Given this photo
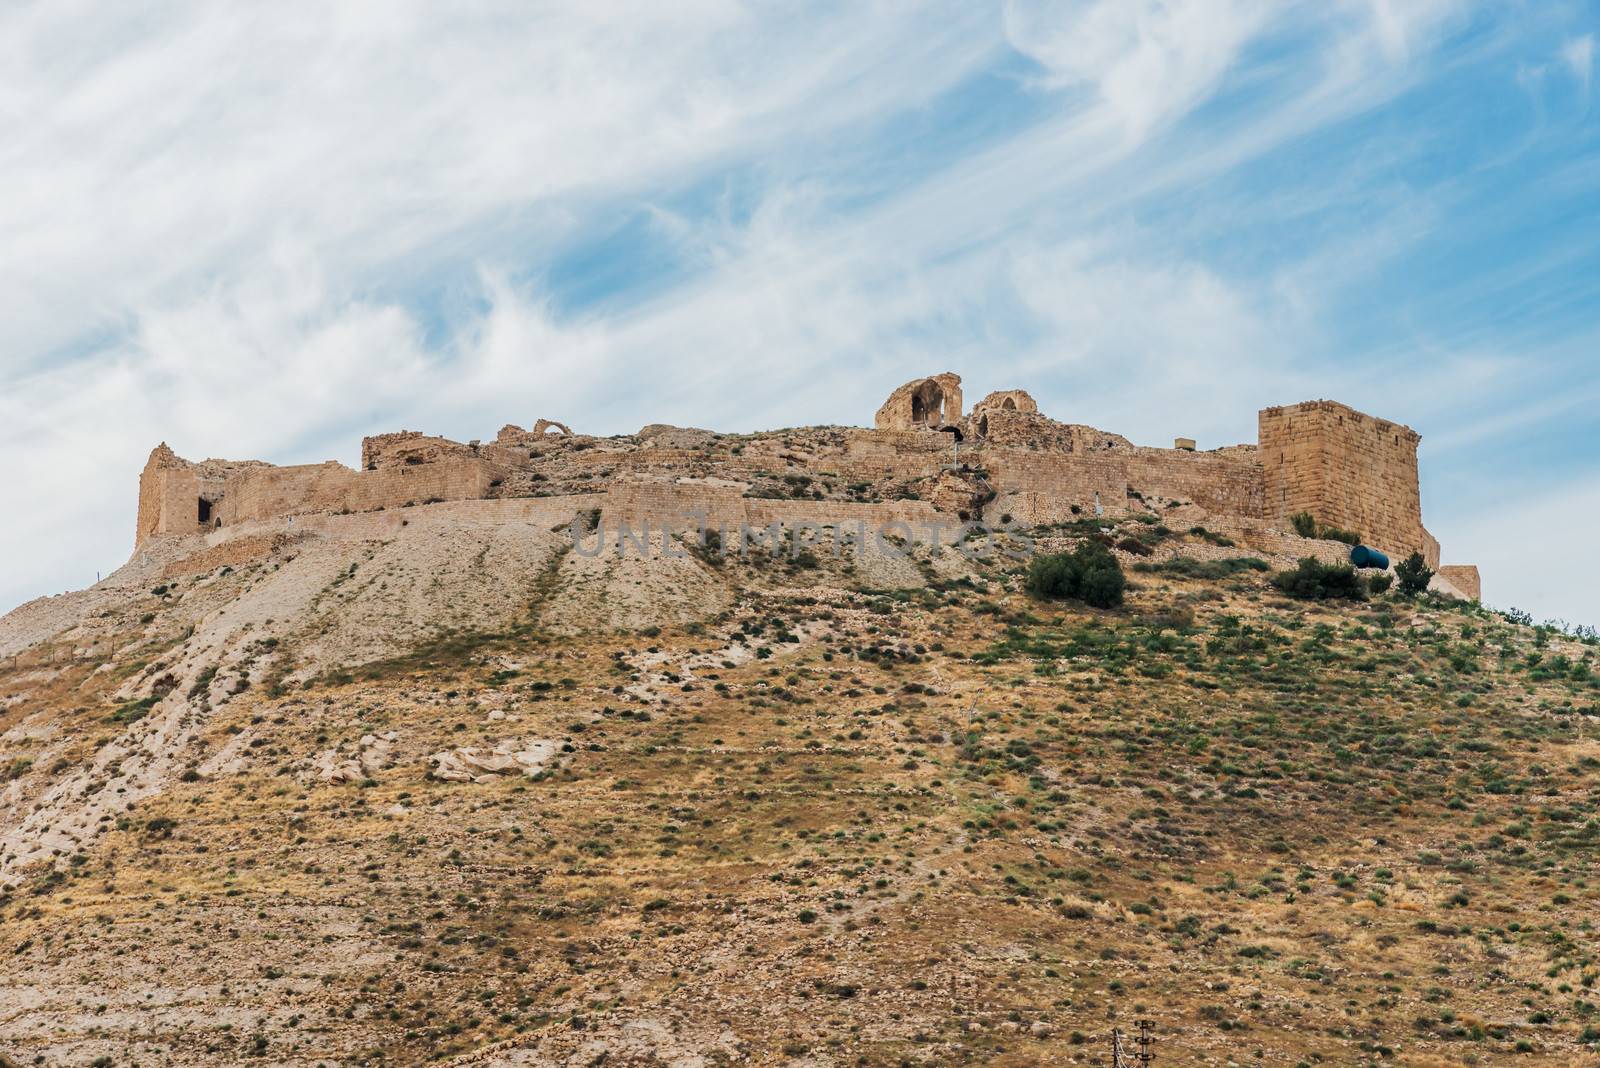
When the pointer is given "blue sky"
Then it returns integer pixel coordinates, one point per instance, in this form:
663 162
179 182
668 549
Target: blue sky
263 234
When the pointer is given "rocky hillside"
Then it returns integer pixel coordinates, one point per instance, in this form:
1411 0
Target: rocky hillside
453 793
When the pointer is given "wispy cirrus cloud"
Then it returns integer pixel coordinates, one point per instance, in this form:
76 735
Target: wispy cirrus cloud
259 236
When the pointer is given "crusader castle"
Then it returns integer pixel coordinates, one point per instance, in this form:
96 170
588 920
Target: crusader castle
926 459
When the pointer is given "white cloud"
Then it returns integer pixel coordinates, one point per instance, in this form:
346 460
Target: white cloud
1578 54
237 225
144 149
1148 60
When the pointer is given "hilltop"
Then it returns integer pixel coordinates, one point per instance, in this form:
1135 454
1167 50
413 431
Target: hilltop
690 748
433 785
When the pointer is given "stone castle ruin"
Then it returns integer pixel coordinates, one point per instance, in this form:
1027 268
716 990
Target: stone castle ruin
924 461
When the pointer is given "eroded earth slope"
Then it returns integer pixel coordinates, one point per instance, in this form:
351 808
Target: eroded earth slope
449 792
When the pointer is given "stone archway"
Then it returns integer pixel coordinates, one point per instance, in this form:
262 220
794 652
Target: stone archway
922 403
927 403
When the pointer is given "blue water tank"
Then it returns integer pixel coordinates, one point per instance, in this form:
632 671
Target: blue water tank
1364 556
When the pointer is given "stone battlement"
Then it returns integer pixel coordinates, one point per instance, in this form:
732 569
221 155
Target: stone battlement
1004 461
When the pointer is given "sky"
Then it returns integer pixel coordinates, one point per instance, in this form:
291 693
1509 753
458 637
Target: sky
263 231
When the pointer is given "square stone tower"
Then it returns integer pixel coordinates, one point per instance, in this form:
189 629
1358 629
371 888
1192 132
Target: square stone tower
1347 469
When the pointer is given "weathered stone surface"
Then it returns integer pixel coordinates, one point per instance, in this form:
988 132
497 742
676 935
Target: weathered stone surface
372 755
509 757
1347 469
1006 400
960 493
925 402
1464 577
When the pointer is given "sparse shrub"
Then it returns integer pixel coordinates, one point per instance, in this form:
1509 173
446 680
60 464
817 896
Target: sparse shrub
1380 582
1313 580
1189 567
1089 573
1413 573
1349 537
1305 524
1213 537
1134 546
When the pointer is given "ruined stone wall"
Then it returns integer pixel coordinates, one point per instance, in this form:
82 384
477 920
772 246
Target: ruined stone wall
1347 469
1042 487
1007 400
172 489
674 504
409 448
1464 577
263 493
1231 484
169 492
923 402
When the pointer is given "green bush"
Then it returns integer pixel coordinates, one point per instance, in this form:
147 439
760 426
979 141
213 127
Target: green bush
1189 567
1305 524
1312 580
1349 537
1380 582
1413 573
1089 573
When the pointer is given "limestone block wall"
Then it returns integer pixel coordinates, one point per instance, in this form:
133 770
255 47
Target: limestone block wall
682 506
1346 468
1024 429
174 493
168 498
1232 484
1035 487
262 493
1465 578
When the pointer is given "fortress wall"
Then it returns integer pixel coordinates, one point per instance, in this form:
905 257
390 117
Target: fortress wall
169 500
903 456
682 507
543 513
1223 485
1035 487
1347 469
1464 577
262 493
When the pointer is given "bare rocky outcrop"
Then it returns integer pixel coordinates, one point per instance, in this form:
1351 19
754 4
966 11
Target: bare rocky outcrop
373 753
510 756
